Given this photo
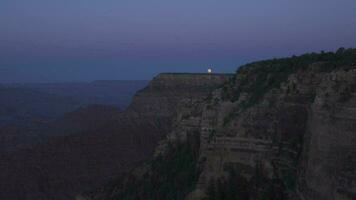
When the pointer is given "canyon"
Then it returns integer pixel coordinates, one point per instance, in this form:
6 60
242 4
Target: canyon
278 129
99 143
281 129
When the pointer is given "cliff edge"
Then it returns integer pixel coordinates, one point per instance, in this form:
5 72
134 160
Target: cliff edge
279 129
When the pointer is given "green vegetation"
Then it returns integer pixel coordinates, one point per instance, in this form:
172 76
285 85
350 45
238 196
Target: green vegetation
259 187
257 78
234 187
169 177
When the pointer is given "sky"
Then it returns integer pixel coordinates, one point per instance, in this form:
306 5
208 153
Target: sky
85 40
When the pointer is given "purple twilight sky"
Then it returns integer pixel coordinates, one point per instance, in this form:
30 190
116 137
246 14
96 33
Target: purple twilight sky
83 40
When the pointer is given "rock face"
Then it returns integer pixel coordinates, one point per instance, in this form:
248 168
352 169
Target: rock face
279 129
166 90
330 164
299 137
66 166
302 135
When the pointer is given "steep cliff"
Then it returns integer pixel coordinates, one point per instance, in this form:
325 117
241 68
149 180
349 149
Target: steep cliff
65 166
161 97
279 129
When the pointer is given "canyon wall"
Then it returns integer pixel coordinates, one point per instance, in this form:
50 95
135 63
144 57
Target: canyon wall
299 140
279 129
329 164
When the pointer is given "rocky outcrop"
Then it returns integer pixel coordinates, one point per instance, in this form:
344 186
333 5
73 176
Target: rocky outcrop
161 97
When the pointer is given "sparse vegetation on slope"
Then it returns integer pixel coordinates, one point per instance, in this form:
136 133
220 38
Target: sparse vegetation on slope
169 176
259 77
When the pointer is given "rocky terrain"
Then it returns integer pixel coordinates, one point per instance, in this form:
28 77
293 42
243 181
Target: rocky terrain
108 143
278 129
24 102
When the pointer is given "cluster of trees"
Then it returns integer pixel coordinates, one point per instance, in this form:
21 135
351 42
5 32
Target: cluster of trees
236 187
259 77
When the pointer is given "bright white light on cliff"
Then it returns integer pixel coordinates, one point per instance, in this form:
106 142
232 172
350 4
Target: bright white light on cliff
210 71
